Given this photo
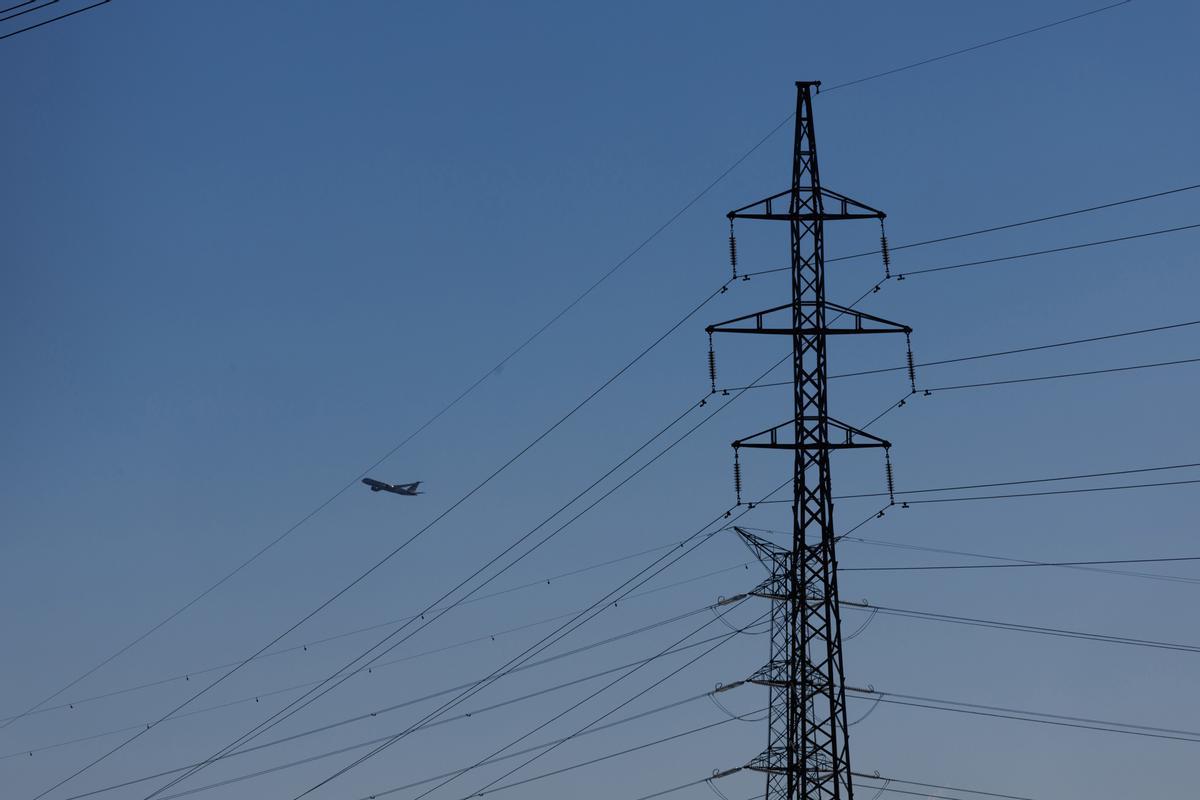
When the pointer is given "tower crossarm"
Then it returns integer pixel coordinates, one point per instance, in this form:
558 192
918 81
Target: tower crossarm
851 437
764 322
833 206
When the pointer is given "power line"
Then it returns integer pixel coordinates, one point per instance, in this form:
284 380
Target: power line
979 46
1056 376
1086 490
472 714
1061 375
1024 715
993 229
491 787
53 19
303 646
1063 633
1080 246
1018 350
924 567
254 698
1125 573
1109 473
1022 223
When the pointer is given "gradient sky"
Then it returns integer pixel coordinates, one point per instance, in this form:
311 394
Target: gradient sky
249 247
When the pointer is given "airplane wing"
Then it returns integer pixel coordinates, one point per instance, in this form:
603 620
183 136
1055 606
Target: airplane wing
408 487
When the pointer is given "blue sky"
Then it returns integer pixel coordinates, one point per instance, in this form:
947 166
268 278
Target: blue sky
250 247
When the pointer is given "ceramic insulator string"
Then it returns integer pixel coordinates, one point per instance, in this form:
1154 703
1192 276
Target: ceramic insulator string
883 248
891 480
732 250
737 477
912 367
712 365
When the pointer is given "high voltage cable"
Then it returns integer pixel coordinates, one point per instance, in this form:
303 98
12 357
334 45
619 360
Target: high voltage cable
1053 479
993 229
469 714
579 765
1086 490
774 384
868 775
486 637
1011 495
1062 633
1062 375
900 276
491 786
1032 253
893 248
52 19
513 353
1024 715
944 551
1015 351
923 567
303 646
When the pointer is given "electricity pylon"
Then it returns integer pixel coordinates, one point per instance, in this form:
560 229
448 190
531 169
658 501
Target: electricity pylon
807 755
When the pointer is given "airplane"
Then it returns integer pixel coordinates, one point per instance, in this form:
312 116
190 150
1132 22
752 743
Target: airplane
407 489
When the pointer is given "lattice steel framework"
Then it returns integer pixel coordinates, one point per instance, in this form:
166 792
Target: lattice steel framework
807 754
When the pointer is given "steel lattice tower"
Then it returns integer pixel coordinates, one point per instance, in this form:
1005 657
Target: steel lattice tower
807 755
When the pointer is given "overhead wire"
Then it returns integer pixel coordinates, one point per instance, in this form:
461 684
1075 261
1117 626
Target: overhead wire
254 698
1040 630
900 276
1018 350
935 567
1123 573
1025 481
1008 226
1025 715
303 646
1062 375
472 714
54 19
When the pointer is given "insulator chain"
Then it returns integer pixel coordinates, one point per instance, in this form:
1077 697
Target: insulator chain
737 476
891 480
883 248
732 250
712 365
912 367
